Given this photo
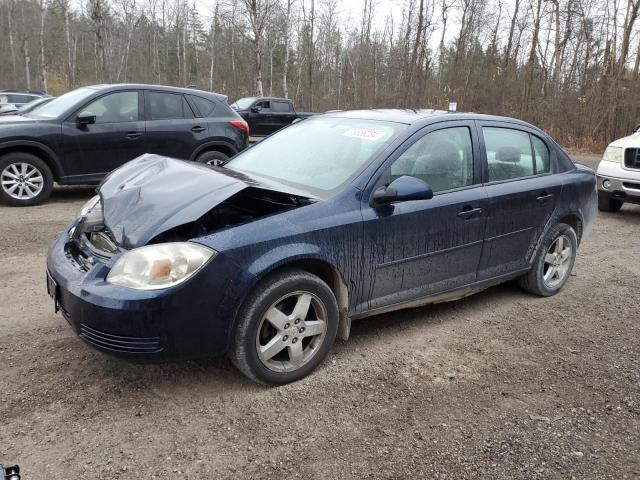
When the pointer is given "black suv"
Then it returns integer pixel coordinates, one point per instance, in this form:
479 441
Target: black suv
82 135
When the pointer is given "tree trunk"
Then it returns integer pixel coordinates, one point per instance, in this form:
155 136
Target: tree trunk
43 64
311 52
257 50
507 53
285 66
12 45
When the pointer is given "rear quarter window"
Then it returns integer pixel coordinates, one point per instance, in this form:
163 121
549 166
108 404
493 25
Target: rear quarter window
205 107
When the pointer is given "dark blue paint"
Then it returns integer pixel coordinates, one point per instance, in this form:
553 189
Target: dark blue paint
385 255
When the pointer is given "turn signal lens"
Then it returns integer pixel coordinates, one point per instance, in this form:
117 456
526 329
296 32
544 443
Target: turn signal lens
159 266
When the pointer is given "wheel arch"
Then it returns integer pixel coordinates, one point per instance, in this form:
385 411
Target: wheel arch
323 269
574 221
217 146
39 150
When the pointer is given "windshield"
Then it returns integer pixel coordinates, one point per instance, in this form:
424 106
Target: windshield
61 104
318 154
33 105
243 103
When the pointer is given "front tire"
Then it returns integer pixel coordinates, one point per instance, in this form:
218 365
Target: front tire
25 180
553 263
608 204
212 157
285 328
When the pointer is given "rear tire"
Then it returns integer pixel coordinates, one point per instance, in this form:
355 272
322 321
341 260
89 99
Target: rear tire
608 204
212 157
285 328
553 262
25 180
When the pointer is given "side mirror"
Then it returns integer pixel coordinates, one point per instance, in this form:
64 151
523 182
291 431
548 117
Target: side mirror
256 109
402 189
636 129
85 118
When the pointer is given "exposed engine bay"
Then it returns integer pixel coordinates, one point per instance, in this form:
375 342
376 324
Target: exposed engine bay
247 205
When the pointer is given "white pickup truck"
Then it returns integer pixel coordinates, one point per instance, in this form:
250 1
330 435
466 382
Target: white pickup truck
619 174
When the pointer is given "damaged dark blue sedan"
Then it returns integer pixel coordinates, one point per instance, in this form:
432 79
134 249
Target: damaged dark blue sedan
344 215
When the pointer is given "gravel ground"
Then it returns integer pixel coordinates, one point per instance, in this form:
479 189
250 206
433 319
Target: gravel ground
499 385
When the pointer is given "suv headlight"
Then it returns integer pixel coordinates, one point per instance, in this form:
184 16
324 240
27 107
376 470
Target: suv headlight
159 266
612 154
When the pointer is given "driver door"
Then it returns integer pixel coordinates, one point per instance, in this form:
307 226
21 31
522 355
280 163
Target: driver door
423 247
117 136
261 120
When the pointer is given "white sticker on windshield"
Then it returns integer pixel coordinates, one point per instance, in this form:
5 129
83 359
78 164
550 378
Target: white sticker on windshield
364 133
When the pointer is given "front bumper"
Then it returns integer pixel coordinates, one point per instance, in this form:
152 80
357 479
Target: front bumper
618 182
619 189
191 320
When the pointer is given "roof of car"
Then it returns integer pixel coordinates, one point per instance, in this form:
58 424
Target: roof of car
23 92
414 116
168 88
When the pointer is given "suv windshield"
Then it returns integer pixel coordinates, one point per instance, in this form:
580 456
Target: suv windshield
319 154
61 104
242 103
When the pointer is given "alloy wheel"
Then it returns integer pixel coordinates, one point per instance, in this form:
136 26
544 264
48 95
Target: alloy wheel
22 181
557 262
291 332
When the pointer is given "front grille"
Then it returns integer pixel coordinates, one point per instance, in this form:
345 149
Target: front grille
120 343
635 186
632 158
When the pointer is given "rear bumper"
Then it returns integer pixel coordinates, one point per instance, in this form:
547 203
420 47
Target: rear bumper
189 321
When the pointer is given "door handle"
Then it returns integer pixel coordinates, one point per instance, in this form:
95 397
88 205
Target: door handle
198 129
133 135
470 212
544 196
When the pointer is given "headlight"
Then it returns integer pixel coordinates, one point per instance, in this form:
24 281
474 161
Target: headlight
87 207
159 266
92 213
612 154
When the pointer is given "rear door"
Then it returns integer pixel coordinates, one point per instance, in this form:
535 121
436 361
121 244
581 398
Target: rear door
522 191
172 128
117 136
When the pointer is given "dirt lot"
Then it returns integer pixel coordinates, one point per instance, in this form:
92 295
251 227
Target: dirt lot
499 385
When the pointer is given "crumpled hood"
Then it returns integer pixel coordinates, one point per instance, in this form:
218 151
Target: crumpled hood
152 194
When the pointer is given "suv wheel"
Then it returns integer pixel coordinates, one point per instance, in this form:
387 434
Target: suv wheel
285 329
608 204
212 157
553 263
25 180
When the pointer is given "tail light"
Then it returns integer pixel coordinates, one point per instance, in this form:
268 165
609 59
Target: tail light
240 125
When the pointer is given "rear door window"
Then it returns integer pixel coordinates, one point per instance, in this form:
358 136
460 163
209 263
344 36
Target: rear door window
164 106
281 107
541 152
508 152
